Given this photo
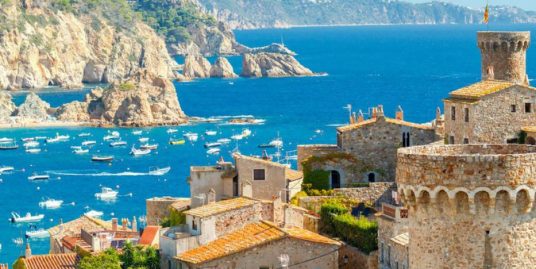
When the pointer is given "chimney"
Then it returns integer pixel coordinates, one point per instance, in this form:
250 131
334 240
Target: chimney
28 251
438 114
374 112
379 111
360 117
114 224
134 224
124 224
211 197
504 56
399 113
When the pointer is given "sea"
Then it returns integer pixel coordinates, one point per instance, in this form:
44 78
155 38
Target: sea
413 67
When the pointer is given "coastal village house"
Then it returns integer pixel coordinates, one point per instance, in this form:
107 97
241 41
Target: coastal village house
49 261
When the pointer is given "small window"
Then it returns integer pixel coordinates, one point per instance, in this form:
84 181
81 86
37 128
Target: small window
513 108
451 139
259 174
466 112
528 107
453 113
194 225
466 140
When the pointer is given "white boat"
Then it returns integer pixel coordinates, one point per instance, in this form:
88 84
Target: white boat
40 138
144 140
39 233
52 140
112 136
237 137
94 214
27 139
106 158
149 146
212 145
159 171
17 241
31 144
139 152
33 150
89 143
224 140
4 169
15 217
81 151
84 135
58 138
171 131
118 144
137 132
51 204
246 132
211 133
106 194
213 151
192 137
276 143
36 176
6 140
76 147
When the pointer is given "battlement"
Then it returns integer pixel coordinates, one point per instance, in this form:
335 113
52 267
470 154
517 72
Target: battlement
504 55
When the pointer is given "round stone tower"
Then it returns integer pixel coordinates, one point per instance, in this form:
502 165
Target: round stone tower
504 55
470 206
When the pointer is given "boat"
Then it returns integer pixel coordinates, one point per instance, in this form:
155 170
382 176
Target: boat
84 135
27 139
192 137
139 152
237 137
137 132
8 146
224 140
265 146
89 143
6 140
177 141
210 133
98 158
212 145
144 140
106 194
33 150
81 151
159 171
17 241
39 233
16 218
31 144
118 144
246 132
94 214
112 136
76 147
276 143
40 138
58 138
4 169
171 131
51 204
149 146
36 176
213 151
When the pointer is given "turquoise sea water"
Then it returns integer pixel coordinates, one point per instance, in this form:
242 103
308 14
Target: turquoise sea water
411 66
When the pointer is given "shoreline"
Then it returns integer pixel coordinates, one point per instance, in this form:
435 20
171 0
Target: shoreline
47 124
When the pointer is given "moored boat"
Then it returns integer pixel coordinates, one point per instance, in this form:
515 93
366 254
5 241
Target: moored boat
149 146
212 145
177 141
102 158
94 214
137 132
106 194
36 176
89 143
31 144
171 131
143 140
34 150
246 132
16 218
264 146
237 137
213 151
192 137
139 152
84 134
224 140
118 144
159 171
8 146
51 203
6 140
81 151
210 132
4 169
39 233
113 135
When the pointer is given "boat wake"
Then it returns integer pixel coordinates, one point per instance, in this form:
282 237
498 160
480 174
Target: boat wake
105 174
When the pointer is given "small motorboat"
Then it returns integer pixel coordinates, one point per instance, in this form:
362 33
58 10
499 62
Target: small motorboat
94 214
149 146
51 204
237 137
89 143
31 144
39 233
246 132
118 144
16 218
106 194
144 140
172 131
4 169
137 132
28 139
177 142
113 135
58 138
139 152
76 147
98 158
212 145
6 140
36 176
224 140
213 151
34 150
211 133
276 143
159 171
40 138
81 151
18 241
265 146
52 140
192 137
84 134
8 146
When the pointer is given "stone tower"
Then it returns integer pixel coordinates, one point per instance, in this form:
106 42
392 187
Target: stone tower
470 206
504 55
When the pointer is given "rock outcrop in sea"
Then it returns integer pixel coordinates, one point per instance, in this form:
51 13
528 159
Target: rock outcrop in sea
33 109
272 65
7 107
42 45
196 66
144 99
222 69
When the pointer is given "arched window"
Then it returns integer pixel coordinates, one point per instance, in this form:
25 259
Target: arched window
372 177
531 140
335 179
405 139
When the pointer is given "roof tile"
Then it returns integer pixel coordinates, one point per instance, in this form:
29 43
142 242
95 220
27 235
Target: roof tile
220 207
481 89
52 261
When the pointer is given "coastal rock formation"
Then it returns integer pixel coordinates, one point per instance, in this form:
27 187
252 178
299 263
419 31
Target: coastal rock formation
43 44
7 107
144 99
222 69
196 66
273 48
33 108
272 65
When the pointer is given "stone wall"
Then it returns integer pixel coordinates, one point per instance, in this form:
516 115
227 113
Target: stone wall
470 206
352 258
205 178
274 184
306 151
376 193
390 252
233 220
157 208
491 119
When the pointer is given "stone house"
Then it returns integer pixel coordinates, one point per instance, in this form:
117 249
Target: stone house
264 245
48 261
497 109
393 237
366 150
158 208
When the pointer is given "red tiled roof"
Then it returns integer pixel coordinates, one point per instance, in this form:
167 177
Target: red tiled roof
3 266
52 261
150 232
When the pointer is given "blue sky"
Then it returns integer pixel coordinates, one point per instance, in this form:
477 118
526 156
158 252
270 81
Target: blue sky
525 4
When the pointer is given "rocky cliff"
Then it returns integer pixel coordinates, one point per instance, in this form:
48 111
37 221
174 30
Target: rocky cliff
272 65
249 14
196 66
33 109
7 107
66 43
222 69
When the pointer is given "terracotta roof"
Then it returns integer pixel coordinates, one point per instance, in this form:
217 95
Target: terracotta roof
74 227
389 120
220 207
252 235
481 89
401 239
149 234
529 129
52 261
292 175
3 266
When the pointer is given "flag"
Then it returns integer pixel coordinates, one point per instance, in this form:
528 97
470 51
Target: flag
486 15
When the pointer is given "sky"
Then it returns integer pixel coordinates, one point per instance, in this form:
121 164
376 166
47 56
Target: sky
525 4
